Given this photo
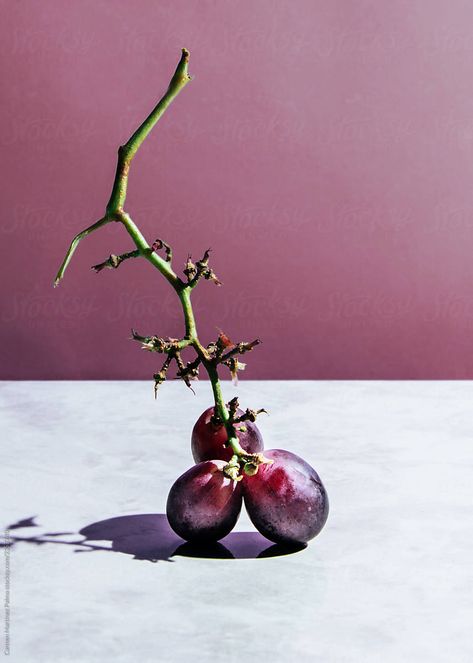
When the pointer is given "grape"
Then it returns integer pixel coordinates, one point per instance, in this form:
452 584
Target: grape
286 500
208 440
203 504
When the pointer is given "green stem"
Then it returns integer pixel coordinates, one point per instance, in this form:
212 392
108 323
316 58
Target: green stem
184 294
115 212
221 409
73 245
146 250
127 152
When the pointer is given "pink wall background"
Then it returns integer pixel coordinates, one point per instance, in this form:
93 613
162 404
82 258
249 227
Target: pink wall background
324 151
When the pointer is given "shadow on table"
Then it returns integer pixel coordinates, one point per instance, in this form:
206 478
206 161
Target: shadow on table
150 537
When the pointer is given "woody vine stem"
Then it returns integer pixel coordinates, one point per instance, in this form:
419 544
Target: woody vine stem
222 351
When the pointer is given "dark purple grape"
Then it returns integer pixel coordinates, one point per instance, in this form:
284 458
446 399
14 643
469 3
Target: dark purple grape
286 500
208 440
204 504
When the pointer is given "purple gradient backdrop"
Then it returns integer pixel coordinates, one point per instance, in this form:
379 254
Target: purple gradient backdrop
324 151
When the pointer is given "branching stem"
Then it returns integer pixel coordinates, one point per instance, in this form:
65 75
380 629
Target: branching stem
115 212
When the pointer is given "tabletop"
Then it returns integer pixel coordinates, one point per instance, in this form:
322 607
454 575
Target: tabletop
96 574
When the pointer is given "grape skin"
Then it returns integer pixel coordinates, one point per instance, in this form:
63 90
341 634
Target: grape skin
286 500
208 440
203 504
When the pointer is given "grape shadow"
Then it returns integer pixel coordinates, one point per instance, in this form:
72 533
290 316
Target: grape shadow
150 537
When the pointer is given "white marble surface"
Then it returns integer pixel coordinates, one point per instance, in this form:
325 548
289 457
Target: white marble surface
389 579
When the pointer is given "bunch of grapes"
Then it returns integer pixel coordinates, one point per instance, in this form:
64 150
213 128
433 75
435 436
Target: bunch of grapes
283 495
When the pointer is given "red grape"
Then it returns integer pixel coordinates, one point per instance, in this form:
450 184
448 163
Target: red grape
204 504
286 500
208 440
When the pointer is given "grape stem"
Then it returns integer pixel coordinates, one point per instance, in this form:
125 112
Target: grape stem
209 356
